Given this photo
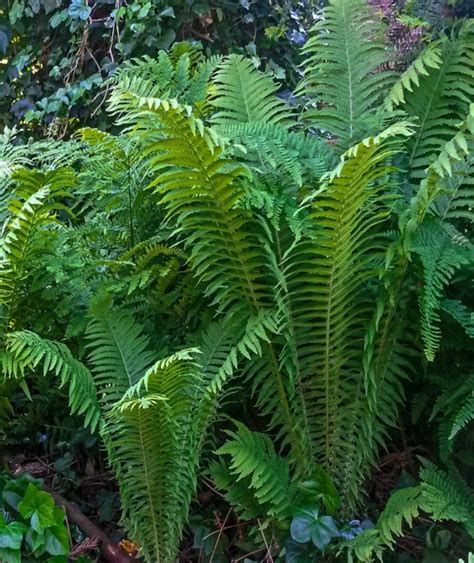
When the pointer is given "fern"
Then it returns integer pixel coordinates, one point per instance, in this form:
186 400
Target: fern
446 497
152 448
440 259
342 72
152 430
27 231
429 58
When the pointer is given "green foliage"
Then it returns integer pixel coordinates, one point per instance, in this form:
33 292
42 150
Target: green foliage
212 259
31 524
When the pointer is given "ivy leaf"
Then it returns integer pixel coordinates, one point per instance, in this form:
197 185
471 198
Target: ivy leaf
39 506
57 18
79 10
57 540
309 525
14 491
16 11
11 535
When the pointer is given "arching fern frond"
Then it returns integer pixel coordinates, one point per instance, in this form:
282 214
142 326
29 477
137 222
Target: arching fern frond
403 506
429 58
35 353
200 191
442 99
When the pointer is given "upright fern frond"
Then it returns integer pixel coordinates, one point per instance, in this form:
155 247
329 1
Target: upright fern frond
242 94
152 428
342 72
330 305
152 446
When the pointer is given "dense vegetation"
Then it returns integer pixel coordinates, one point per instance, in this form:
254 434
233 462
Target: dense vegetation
259 309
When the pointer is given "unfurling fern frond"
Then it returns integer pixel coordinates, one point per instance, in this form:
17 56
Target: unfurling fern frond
342 72
35 353
256 469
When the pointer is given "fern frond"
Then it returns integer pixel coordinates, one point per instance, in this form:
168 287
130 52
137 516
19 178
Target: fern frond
27 232
200 191
268 147
327 278
242 94
440 258
152 446
266 474
403 506
429 58
446 498
441 100
32 351
342 72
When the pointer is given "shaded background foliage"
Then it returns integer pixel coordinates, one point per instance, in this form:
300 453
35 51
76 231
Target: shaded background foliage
57 54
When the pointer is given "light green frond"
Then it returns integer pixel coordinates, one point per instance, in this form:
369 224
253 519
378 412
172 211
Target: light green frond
403 506
200 191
